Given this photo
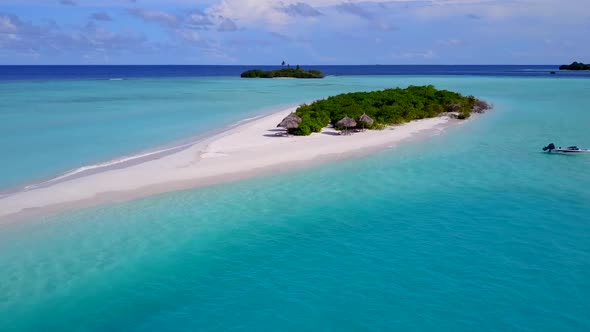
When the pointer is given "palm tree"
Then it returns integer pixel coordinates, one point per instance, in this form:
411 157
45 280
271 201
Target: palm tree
283 64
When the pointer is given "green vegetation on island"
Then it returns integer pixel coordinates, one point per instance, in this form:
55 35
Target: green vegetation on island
296 72
386 107
575 66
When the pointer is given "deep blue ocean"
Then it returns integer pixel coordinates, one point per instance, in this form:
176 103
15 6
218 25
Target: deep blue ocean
471 230
8 73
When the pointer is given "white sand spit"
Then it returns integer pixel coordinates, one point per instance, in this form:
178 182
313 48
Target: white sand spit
243 151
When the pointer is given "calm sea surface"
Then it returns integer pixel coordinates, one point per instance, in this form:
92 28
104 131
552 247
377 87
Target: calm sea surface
473 229
62 119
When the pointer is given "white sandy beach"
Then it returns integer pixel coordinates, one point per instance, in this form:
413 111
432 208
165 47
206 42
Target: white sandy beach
246 150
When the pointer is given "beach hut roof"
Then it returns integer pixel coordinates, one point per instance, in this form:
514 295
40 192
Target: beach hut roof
294 117
289 123
346 122
366 119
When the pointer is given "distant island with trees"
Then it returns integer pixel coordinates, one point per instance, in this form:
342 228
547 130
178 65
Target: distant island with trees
377 109
575 66
288 72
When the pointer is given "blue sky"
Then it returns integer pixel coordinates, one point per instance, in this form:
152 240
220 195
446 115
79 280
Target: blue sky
305 32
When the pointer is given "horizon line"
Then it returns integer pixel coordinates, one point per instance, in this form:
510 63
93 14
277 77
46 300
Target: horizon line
278 65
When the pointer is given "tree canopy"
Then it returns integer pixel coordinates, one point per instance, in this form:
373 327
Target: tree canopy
386 107
575 66
283 72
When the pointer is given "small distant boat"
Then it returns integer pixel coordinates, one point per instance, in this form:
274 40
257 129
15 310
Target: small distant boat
569 150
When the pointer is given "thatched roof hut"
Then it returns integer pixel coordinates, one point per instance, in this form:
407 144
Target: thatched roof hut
480 106
365 120
294 117
346 122
289 123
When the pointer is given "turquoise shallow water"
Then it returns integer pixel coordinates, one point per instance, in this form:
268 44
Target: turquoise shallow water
473 229
53 127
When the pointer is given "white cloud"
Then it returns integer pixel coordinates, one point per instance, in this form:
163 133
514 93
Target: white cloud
269 12
18 36
160 17
311 29
498 9
282 13
227 25
198 20
301 9
7 25
249 11
190 36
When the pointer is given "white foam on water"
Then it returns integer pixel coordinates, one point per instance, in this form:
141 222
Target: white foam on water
247 120
110 163
130 158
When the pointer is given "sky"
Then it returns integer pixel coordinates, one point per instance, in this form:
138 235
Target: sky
261 32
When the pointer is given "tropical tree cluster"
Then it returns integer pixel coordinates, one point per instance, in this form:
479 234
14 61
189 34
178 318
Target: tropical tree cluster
386 107
297 72
575 66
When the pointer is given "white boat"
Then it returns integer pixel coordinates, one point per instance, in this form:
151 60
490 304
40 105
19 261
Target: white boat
551 148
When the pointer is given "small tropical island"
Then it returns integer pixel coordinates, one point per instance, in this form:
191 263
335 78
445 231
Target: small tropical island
575 66
378 109
287 72
254 146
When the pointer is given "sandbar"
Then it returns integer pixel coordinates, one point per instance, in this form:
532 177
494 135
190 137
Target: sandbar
249 149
